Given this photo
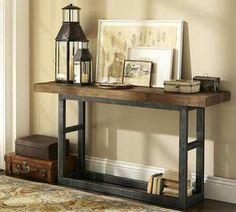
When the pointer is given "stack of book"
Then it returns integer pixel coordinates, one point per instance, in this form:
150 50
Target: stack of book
171 184
155 184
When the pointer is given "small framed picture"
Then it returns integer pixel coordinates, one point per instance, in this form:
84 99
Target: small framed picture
137 72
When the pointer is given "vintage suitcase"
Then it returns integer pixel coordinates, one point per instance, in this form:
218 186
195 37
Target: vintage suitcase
189 86
182 86
171 86
208 84
39 146
36 169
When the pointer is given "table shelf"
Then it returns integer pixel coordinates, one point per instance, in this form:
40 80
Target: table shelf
106 178
82 182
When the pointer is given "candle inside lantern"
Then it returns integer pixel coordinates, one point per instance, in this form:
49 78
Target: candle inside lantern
77 72
85 78
72 68
61 76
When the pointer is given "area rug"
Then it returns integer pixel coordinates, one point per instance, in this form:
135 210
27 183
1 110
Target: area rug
21 195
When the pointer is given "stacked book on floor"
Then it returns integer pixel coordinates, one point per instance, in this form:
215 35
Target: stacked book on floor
167 184
155 184
171 184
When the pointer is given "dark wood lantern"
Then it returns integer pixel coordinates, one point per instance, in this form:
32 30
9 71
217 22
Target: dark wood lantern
83 65
67 43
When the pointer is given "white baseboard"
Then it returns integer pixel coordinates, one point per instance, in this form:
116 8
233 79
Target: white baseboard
220 189
120 168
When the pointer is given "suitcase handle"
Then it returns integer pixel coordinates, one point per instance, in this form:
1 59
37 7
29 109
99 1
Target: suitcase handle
24 168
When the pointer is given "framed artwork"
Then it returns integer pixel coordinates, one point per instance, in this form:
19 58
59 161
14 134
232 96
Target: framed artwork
115 37
137 72
162 62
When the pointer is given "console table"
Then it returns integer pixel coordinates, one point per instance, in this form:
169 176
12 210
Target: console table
141 97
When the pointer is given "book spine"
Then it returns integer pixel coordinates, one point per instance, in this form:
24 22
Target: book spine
149 188
160 186
154 185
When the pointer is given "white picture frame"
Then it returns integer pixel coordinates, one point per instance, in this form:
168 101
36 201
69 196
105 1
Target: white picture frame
162 62
115 37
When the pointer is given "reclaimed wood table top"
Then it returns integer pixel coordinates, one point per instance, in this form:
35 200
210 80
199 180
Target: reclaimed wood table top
137 94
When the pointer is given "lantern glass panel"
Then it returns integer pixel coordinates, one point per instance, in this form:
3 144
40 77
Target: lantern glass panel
74 46
66 16
71 15
75 16
77 66
82 72
61 61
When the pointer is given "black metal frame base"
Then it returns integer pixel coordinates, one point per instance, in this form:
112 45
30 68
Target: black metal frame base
125 187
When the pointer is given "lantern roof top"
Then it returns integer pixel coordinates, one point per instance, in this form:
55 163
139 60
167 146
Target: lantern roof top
71 32
83 55
71 7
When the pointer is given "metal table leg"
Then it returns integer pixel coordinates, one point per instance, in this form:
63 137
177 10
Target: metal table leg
183 156
200 151
61 136
81 137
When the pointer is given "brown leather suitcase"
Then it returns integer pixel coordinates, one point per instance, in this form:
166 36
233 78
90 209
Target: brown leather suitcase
36 169
39 146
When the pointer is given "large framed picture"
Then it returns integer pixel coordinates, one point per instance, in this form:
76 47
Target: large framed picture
162 62
137 72
115 37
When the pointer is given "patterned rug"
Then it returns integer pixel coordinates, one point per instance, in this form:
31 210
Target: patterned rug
21 195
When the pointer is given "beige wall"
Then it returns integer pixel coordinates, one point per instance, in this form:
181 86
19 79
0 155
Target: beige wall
140 135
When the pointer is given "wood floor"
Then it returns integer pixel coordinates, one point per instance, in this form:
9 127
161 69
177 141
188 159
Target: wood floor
206 206
212 205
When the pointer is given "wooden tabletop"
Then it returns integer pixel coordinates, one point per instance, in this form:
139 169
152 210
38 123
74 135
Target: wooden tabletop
139 94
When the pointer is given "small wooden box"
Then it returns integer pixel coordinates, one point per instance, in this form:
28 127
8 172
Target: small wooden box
189 86
36 169
182 86
208 84
39 146
171 86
